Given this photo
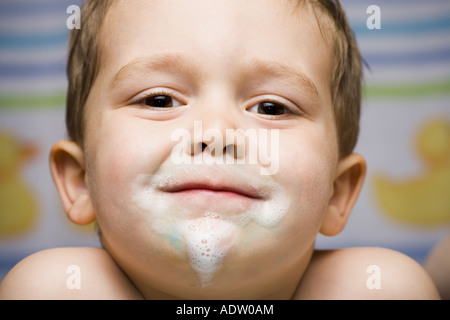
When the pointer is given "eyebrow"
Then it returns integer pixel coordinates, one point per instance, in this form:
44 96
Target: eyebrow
166 62
280 70
181 65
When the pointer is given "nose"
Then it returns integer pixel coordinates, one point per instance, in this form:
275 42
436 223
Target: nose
216 132
216 140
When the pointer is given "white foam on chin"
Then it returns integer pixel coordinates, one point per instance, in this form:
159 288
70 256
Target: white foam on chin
207 237
207 240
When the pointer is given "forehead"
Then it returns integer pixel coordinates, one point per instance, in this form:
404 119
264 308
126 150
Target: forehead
215 34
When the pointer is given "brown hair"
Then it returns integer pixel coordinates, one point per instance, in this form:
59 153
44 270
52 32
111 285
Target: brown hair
84 64
347 76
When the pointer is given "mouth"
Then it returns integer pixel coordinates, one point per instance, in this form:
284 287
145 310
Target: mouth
219 192
214 188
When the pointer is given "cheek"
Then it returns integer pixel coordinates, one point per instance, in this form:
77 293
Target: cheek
126 146
307 173
123 150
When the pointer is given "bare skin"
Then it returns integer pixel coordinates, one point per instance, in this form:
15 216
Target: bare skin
437 265
182 54
340 274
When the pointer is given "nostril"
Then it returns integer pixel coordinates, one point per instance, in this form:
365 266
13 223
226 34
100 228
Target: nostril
230 149
234 151
197 148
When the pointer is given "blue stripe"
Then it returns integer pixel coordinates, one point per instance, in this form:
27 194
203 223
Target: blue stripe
34 8
408 58
379 58
27 70
32 41
413 27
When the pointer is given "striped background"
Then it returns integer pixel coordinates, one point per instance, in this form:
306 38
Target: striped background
407 86
410 55
33 37
408 83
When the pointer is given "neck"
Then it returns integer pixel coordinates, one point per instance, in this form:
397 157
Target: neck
272 285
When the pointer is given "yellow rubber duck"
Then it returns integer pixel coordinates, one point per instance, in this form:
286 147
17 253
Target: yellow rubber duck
422 200
18 207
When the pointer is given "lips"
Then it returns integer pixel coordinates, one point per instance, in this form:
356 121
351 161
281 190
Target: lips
214 187
222 192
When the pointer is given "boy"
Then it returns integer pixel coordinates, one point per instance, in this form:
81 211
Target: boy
201 213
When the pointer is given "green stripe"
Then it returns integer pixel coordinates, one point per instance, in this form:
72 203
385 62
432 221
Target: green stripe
32 101
407 91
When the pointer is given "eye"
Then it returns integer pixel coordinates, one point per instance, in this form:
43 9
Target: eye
161 101
158 100
270 108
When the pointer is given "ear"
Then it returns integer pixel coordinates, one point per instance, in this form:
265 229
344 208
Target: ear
348 183
68 172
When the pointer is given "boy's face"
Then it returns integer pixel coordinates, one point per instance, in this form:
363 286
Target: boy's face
259 66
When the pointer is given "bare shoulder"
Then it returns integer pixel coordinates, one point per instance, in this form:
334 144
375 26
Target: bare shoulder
437 265
365 273
67 273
